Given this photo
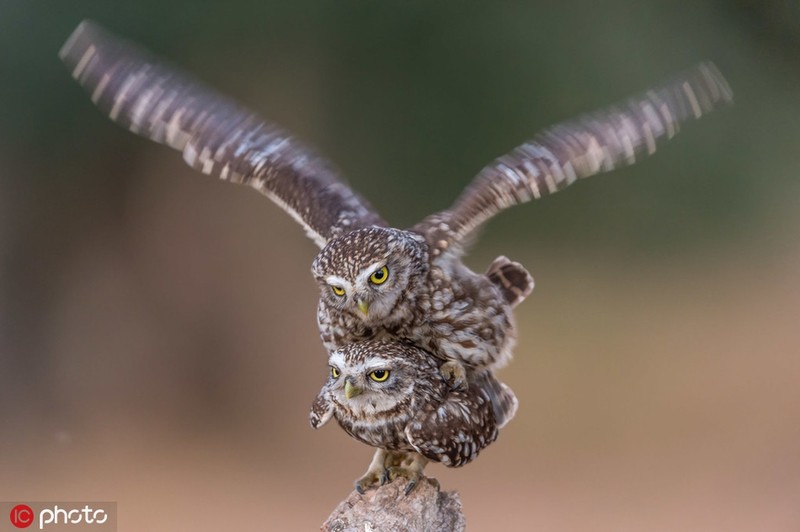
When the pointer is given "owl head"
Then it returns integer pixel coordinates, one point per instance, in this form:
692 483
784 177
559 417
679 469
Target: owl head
368 379
366 271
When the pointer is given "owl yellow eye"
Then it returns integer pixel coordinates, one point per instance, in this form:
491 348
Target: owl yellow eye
379 375
379 276
334 373
338 290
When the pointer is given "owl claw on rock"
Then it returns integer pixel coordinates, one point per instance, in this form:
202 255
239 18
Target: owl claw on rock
376 472
371 479
408 466
411 472
387 466
455 374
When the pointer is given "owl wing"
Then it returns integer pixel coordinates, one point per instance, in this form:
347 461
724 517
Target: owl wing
455 431
589 145
321 410
216 135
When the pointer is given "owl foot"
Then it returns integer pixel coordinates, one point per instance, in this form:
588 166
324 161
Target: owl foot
412 472
372 479
455 374
376 472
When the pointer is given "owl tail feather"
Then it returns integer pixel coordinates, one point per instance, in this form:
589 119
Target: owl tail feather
513 280
504 402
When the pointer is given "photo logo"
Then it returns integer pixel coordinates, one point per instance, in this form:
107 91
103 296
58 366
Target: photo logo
22 516
52 516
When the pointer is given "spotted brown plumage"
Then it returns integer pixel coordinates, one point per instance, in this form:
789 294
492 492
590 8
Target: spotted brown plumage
376 282
411 417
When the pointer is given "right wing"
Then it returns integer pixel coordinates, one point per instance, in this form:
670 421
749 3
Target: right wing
591 144
216 135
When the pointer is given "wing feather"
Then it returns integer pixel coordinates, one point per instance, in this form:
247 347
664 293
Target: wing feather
216 135
591 144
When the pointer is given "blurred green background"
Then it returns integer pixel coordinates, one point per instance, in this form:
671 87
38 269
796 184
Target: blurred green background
158 344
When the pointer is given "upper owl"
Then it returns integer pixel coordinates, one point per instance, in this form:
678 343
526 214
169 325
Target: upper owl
378 281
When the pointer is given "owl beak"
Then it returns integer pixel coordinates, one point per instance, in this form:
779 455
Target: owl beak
350 390
363 306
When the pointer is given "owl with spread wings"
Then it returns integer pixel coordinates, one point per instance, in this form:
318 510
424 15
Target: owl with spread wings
380 283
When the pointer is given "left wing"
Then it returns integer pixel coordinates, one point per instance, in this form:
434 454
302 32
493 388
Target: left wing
591 144
216 135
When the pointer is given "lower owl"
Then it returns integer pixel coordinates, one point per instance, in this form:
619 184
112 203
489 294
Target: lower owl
393 396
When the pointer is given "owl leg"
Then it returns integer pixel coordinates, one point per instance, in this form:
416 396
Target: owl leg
411 469
455 374
376 472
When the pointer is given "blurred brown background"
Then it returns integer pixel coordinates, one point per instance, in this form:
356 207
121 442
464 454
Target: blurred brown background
158 344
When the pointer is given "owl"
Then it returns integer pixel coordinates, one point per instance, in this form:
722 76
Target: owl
392 396
378 282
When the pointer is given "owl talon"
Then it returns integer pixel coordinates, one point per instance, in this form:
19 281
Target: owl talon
411 476
376 474
455 374
369 481
412 472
